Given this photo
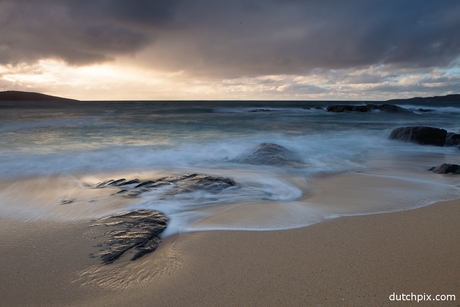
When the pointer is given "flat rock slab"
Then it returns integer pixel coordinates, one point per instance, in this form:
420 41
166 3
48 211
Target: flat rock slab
187 183
270 154
135 233
420 135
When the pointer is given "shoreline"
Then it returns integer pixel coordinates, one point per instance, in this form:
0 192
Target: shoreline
346 261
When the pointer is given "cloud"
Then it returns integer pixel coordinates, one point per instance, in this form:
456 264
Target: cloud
79 32
233 38
293 37
216 49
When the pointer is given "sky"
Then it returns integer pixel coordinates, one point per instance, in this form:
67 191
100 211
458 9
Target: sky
221 49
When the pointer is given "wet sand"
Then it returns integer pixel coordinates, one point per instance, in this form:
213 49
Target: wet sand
348 261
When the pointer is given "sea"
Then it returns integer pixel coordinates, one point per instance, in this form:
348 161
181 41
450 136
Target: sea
54 154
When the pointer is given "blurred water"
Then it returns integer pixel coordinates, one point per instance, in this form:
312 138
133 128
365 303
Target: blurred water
52 151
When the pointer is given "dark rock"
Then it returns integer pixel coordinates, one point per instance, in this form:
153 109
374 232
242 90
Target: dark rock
420 135
424 110
135 232
209 183
392 109
270 154
104 183
158 184
452 139
134 181
118 182
446 168
180 184
180 178
148 182
367 108
319 108
306 108
339 108
261 110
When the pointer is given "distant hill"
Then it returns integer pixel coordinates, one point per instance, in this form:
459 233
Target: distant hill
29 96
453 97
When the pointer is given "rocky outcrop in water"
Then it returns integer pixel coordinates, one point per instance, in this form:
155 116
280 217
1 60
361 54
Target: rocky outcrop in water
137 232
134 233
177 184
270 154
446 168
420 135
367 108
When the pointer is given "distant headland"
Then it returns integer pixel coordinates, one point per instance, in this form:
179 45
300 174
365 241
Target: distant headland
453 97
29 96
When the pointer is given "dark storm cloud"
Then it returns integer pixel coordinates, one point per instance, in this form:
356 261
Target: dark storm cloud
79 32
234 38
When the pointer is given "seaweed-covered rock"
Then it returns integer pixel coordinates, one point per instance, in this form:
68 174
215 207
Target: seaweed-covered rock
135 232
270 154
420 135
446 168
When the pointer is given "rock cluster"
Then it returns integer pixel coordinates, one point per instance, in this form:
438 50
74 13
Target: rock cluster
137 232
367 108
430 136
179 184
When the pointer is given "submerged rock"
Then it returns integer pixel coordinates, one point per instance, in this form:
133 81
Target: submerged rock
270 154
135 233
420 135
452 139
424 110
367 108
446 168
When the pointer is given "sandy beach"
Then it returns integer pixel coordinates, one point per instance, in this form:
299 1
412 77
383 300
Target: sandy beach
348 261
